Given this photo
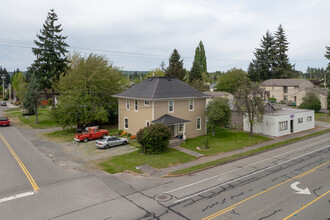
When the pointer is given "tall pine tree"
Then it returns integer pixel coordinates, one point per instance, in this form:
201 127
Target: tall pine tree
200 57
175 67
327 55
51 52
261 68
282 68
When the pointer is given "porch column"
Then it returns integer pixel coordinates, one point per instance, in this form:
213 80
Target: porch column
184 131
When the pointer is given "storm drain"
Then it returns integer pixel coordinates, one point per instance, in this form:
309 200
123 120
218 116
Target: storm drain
163 197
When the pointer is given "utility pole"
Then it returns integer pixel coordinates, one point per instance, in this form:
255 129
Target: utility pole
3 85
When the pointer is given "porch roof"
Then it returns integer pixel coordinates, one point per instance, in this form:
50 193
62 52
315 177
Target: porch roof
169 120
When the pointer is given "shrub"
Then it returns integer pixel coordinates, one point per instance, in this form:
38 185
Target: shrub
311 101
154 139
205 143
272 100
50 101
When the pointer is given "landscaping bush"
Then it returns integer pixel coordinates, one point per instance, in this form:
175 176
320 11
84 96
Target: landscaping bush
154 139
50 102
205 143
272 100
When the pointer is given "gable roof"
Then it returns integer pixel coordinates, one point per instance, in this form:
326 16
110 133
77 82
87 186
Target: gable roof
169 120
154 88
286 82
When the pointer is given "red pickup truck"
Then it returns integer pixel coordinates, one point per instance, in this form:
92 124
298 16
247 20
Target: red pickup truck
90 134
4 121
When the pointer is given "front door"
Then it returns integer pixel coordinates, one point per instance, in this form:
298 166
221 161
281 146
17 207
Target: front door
291 126
172 130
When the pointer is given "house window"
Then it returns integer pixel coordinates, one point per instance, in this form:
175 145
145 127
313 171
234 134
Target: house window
146 103
300 120
180 128
147 123
283 125
309 118
285 98
191 105
127 104
285 89
198 124
135 105
126 123
171 106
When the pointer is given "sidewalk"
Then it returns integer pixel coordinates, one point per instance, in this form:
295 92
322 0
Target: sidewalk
319 126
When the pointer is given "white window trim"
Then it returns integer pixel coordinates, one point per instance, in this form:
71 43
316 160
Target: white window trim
302 120
307 118
136 105
127 102
147 122
145 103
169 106
200 125
285 126
193 105
125 123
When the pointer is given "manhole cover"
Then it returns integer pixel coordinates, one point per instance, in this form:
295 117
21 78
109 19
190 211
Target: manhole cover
163 197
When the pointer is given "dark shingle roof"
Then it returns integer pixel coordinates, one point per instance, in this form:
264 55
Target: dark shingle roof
154 88
169 120
285 82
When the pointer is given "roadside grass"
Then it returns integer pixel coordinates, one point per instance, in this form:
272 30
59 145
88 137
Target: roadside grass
132 160
44 118
240 155
322 117
224 140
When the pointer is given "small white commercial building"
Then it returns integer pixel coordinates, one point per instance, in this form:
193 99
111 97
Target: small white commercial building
279 122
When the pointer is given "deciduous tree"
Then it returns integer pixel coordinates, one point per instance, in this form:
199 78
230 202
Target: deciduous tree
218 114
311 100
248 100
231 80
86 91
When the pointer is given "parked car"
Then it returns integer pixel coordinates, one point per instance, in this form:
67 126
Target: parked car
3 104
90 134
110 141
4 121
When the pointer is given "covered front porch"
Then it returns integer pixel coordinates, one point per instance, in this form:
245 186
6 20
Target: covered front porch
176 125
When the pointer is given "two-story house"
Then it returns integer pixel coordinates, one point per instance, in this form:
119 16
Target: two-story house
291 90
163 100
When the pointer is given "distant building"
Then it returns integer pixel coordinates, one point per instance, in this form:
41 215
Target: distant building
291 90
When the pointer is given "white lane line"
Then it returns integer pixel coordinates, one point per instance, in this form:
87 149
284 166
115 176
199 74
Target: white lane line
187 197
17 196
231 171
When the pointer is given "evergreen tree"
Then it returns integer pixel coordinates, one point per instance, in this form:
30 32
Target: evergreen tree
175 67
261 68
282 69
200 57
50 51
327 55
195 72
32 97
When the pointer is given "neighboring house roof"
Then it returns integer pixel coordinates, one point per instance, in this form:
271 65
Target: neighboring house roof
219 94
286 82
269 107
169 120
154 88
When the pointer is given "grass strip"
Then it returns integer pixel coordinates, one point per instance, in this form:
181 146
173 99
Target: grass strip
214 163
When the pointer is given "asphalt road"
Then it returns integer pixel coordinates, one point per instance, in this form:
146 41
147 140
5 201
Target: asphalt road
261 187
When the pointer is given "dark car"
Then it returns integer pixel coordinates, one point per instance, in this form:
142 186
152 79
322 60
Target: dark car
3 104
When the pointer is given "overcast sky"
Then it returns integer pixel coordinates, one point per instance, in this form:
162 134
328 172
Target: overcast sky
140 34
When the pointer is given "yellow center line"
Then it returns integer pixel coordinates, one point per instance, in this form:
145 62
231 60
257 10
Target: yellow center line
223 211
306 205
28 175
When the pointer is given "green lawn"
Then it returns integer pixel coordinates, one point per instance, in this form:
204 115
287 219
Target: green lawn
322 117
61 136
131 160
44 117
223 141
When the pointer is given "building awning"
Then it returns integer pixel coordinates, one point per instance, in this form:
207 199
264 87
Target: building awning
169 120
